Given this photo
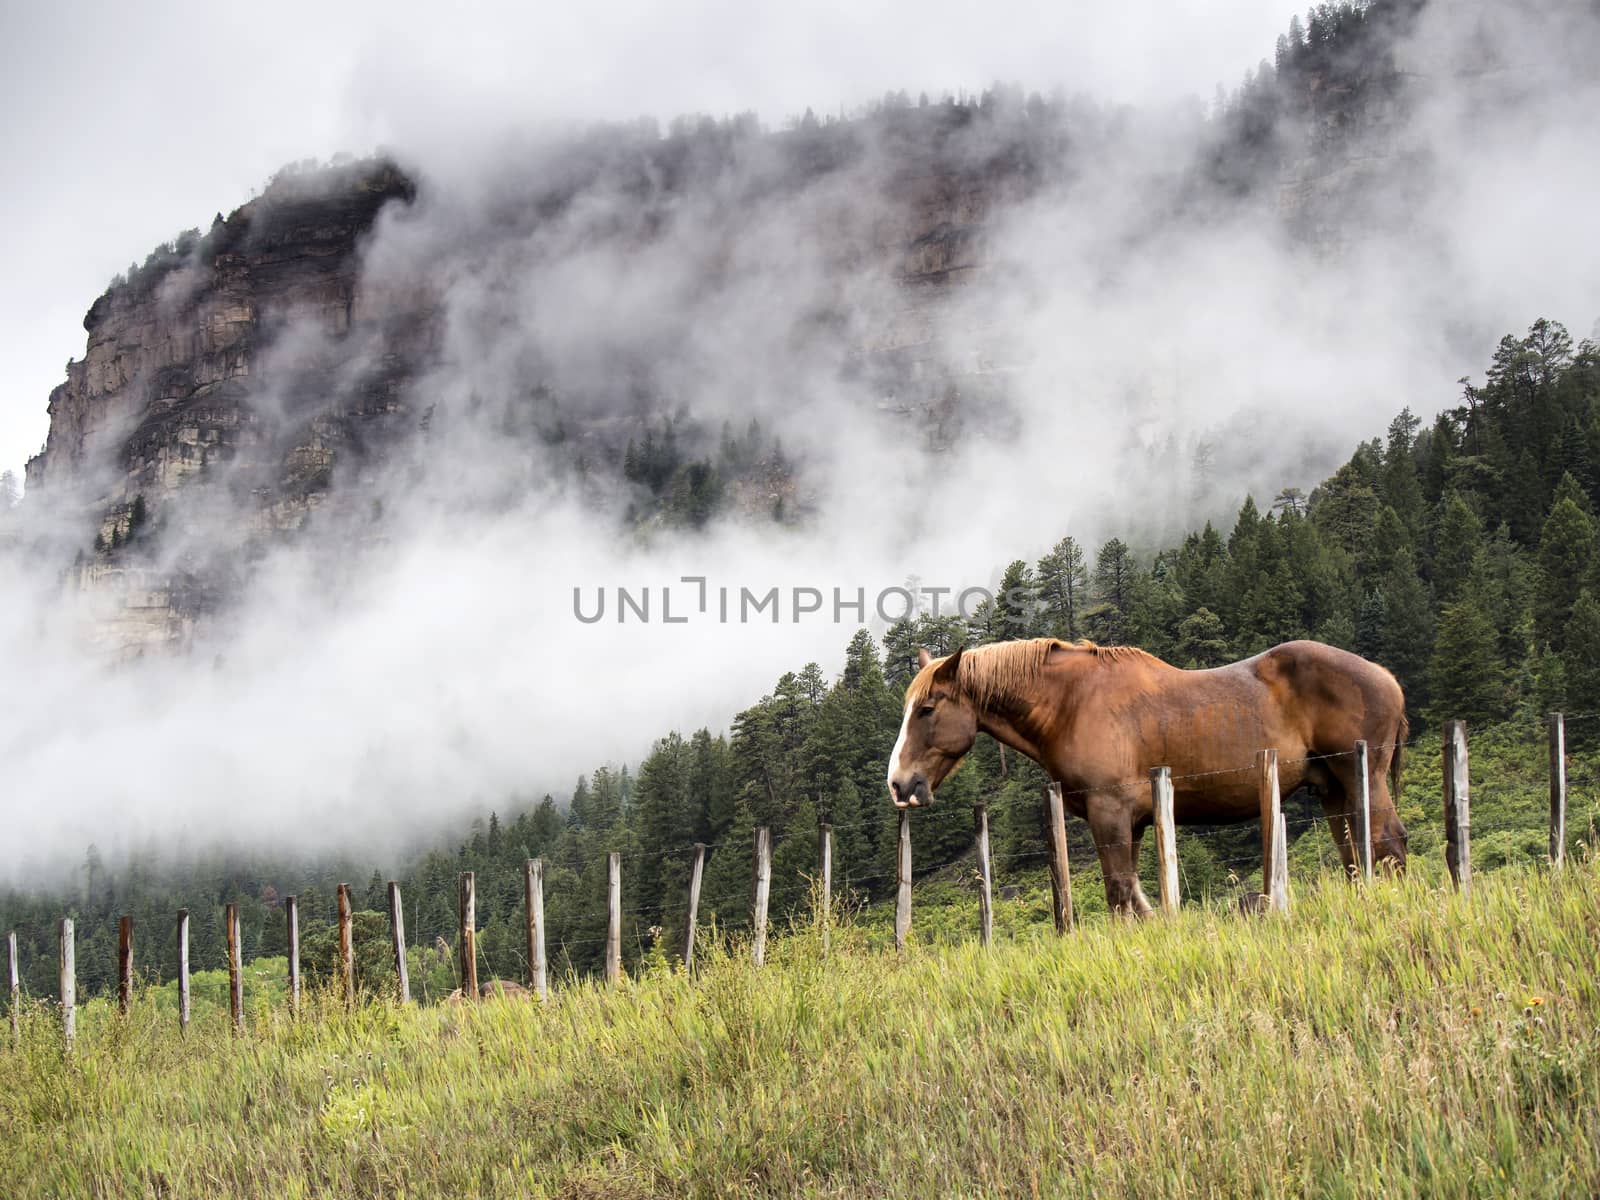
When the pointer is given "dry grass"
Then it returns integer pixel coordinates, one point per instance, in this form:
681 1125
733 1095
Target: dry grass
1402 1043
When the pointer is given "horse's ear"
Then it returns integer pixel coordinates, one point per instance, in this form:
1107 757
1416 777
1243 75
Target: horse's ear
947 669
923 657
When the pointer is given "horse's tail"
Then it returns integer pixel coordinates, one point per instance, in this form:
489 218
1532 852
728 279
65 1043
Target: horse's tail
1397 760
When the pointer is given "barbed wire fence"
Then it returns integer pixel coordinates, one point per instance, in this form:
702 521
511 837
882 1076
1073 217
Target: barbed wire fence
1501 840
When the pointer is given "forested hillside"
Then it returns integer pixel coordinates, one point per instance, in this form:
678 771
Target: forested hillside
1460 553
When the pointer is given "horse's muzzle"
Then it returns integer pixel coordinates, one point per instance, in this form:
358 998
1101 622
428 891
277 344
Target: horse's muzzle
912 795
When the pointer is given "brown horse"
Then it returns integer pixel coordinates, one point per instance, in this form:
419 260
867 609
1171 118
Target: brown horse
1098 718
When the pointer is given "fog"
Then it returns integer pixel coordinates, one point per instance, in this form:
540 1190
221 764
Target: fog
372 681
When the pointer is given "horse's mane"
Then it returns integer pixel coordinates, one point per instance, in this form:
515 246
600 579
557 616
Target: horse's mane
1000 671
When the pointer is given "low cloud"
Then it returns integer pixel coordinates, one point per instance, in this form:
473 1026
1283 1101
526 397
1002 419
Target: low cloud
1113 348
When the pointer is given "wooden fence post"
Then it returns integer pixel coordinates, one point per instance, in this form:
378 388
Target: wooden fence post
697 870
614 918
980 818
1060 863
467 934
1162 805
1363 829
397 931
533 904
347 949
1558 790
1274 838
760 890
183 970
1457 817
14 975
825 874
235 969
902 877
291 912
69 983
124 963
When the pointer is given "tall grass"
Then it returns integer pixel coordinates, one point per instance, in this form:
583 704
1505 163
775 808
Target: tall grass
1393 1042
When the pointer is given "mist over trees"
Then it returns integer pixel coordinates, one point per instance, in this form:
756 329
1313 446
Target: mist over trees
1460 553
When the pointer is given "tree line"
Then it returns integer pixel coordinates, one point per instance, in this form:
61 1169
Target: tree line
1460 554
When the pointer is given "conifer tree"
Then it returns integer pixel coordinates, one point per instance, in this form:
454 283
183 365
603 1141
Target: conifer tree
1468 681
1014 603
1402 490
1566 562
1062 582
1116 579
1407 640
1202 641
1456 544
1581 660
725 890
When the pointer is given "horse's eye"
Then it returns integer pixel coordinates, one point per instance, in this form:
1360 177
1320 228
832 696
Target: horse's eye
925 711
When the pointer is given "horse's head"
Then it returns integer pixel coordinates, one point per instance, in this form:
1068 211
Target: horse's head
939 727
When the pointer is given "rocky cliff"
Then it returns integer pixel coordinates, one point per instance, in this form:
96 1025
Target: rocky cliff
182 376
172 376
230 381
246 378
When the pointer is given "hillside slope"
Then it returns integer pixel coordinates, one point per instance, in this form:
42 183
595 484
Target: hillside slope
1398 1042
623 303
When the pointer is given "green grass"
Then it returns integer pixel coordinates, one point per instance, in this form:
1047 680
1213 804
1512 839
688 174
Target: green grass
1393 1043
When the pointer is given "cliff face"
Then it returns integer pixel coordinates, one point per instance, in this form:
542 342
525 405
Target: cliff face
228 381
243 379
173 371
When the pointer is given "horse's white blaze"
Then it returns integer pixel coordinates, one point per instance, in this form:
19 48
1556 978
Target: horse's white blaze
899 747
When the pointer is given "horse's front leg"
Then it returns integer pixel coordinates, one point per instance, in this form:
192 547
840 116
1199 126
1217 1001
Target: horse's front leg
1115 841
1335 785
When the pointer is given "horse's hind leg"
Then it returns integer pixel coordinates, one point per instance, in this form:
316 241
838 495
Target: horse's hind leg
1111 825
1140 900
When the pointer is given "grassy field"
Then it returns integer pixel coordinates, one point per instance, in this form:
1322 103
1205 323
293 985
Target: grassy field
1399 1043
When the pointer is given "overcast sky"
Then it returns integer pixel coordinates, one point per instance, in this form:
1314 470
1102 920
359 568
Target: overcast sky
128 123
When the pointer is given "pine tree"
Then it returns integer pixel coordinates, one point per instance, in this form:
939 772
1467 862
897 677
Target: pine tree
1116 579
1567 547
1325 578
1383 544
1407 641
900 647
1063 581
605 800
1581 659
1159 607
725 891
1344 509
1202 568
710 785
1202 641
1568 488
1402 490
1468 681
794 866
1015 602
759 778
857 827
1548 677
1456 544
1371 620
664 818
